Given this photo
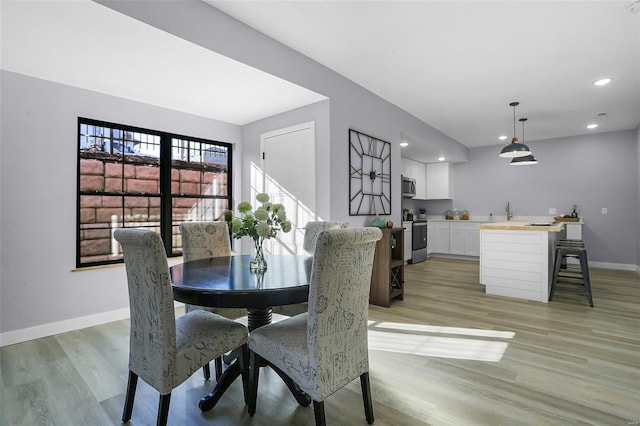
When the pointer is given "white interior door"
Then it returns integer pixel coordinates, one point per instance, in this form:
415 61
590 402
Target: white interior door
289 177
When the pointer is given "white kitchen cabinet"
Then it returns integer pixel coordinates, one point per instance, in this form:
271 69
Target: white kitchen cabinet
464 239
574 231
456 239
430 238
440 237
408 238
438 181
416 170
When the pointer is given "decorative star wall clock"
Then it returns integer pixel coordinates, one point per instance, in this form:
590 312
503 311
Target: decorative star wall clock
369 175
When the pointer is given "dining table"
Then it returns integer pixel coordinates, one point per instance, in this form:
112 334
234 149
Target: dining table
228 282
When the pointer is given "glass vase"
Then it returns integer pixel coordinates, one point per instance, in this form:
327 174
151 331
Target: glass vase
258 263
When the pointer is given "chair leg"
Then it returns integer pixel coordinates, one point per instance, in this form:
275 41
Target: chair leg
218 368
318 413
366 397
254 372
243 360
131 394
584 267
556 271
206 371
163 409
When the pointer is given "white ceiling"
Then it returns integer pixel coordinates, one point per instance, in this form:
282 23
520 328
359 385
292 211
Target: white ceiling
454 64
87 45
457 65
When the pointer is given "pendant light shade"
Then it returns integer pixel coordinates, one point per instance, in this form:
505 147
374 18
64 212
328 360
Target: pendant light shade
525 160
514 149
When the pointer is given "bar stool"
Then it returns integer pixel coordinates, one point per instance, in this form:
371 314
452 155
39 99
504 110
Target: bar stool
577 249
569 243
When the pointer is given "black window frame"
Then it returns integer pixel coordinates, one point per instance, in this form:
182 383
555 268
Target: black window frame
165 190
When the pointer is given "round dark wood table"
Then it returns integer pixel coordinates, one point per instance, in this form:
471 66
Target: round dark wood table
227 282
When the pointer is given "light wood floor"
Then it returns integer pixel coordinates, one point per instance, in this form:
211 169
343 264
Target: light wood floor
446 355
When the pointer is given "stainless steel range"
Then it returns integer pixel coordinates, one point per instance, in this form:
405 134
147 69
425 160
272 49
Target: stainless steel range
419 241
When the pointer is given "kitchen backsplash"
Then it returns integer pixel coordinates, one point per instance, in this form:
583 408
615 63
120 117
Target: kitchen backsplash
437 207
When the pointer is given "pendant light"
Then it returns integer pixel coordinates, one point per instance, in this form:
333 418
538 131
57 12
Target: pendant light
525 160
514 149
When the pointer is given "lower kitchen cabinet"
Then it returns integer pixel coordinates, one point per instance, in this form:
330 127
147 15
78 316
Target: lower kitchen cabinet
408 238
464 239
430 239
454 237
440 237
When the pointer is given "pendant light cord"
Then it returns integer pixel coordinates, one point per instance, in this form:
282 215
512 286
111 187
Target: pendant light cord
514 122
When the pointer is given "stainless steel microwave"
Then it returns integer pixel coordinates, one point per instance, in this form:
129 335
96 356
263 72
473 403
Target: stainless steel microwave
408 187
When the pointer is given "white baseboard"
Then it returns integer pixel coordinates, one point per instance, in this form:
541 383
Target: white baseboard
619 266
592 264
45 330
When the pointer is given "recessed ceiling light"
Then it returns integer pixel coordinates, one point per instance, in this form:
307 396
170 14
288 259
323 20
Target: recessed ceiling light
592 126
403 144
602 82
502 138
441 158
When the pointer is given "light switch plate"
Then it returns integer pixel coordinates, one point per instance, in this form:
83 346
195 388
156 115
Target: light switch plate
605 210
553 210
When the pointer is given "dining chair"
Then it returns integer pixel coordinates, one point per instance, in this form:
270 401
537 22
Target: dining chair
326 348
205 240
311 232
313 229
164 350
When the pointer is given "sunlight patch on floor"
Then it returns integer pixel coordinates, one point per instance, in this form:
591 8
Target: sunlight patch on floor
420 340
443 330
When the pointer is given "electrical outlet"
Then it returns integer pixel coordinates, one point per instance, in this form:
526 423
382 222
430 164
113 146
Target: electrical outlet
553 210
605 210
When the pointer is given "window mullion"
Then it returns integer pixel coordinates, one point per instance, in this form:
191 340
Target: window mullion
166 220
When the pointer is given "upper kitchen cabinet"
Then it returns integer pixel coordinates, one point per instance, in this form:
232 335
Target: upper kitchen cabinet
438 176
416 170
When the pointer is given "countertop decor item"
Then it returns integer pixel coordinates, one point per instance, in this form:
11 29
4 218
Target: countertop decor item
514 149
369 175
566 219
378 223
260 224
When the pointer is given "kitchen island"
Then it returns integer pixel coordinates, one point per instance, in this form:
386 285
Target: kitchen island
516 258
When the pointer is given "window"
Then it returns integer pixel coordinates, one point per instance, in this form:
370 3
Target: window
139 178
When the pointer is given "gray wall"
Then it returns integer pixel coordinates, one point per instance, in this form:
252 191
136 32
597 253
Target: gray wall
351 105
38 118
38 187
638 215
593 171
318 113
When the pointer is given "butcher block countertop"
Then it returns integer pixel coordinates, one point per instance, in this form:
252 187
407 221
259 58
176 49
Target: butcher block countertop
521 226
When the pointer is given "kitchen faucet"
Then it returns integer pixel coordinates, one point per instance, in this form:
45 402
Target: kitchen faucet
509 212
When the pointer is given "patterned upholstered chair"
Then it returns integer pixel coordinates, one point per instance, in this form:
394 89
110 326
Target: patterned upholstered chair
326 348
165 351
311 232
204 240
313 229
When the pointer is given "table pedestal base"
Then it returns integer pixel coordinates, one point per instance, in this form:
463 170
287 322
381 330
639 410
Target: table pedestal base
256 318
